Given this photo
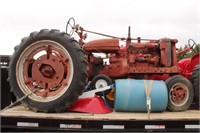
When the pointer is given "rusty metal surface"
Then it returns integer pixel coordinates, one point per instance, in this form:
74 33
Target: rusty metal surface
136 55
166 53
178 94
49 72
136 58
173 69
149 58
103 45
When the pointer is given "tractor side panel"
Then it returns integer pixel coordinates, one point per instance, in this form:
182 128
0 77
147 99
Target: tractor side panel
117 67
166 53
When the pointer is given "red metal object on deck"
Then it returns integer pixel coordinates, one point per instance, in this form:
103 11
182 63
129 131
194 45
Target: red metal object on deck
94 105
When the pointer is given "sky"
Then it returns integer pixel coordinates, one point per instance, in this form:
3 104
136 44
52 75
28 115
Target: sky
151 19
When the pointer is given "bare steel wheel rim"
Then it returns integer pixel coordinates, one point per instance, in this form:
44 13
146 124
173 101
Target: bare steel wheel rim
179 94
47 67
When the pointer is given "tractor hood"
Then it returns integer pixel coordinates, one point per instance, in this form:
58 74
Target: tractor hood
102 45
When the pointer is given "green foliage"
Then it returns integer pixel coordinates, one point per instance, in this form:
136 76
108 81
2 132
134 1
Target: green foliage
188 54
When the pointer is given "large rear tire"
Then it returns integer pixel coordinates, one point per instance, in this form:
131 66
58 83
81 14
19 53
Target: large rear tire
53 64
195 82
180 92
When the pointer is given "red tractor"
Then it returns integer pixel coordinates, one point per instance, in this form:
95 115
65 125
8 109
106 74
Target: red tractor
52 68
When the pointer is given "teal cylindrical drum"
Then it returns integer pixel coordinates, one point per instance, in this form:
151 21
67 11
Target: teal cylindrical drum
130 95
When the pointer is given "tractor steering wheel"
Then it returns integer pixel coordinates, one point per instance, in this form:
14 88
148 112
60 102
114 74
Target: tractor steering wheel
191 44
70 27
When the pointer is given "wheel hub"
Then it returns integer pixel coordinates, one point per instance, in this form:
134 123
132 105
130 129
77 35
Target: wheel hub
179 94
47 72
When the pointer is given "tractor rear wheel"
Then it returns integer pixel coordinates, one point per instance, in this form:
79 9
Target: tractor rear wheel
50 64
195 82
180 93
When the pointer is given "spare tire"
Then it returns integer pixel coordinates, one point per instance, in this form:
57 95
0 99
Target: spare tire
51 64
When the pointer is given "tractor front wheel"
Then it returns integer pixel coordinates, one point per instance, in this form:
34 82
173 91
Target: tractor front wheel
180 93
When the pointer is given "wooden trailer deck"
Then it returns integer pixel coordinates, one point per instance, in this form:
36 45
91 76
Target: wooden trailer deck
19 118
22 112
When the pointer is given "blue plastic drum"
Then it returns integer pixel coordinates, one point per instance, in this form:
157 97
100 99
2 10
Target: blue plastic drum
130 95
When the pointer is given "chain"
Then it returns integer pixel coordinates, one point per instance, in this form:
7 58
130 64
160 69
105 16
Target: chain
18 100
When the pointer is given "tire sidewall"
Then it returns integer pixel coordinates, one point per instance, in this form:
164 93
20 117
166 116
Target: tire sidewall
170 83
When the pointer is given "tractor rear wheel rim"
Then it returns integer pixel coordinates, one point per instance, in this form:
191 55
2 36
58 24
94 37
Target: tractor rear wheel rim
47 67
179 94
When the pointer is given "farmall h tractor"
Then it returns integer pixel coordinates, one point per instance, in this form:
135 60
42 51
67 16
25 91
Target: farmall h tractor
52 68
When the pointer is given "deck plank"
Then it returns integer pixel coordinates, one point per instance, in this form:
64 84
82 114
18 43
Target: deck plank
22 112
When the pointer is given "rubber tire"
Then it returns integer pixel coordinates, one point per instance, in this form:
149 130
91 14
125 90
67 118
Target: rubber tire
79 79
109 82
98 77
179 79
195 82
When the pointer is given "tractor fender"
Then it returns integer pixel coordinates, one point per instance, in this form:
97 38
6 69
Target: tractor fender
102 45
187 65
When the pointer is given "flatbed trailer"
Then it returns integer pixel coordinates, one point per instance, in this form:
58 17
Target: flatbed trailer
19 118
